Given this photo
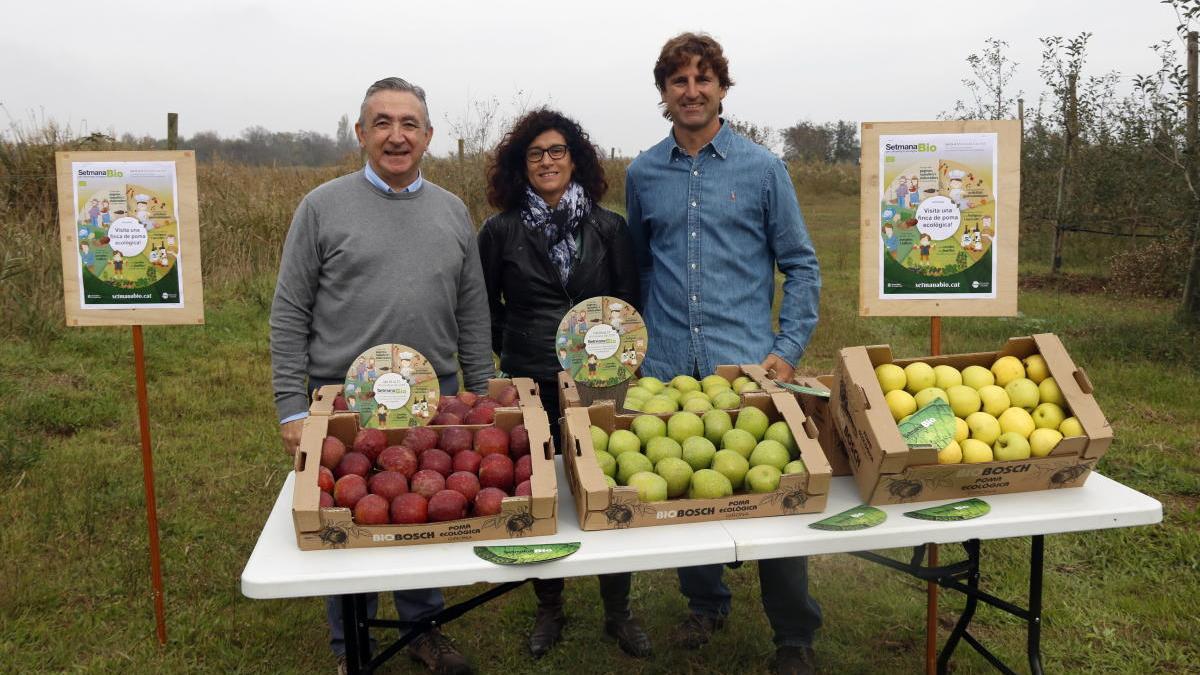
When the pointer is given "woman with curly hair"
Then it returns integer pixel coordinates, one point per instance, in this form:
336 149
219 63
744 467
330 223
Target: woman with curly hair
551 246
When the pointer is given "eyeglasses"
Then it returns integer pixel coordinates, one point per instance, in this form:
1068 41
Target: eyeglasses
534 155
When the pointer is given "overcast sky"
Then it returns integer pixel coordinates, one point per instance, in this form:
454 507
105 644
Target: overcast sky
299 65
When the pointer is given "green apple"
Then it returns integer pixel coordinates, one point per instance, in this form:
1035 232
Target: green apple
623 441
795 466
709 484
994 399
984 427
683 425
891 377
647 427
651 487
608 465
599 438
753 420
961 430
780 433
1010 447
639 393
673 394
713 392
698 452
963 400
740 441
651 384
630 463
1050 393
677 473
1016 419
749 386
901 403
1036 368
698 406
727 400
763 478
925 396
770 452
977 377
1006 369
739 382
610 481
685 383
1048 416
1071 427
1042 441
689 395
919 375
1022 393
633 404
660 447
715 380
951 454
659 404
716 423
946 377
976 451
731 465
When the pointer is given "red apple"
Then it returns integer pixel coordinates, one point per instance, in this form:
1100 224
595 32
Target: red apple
522 469
398 458
491 441
326 501
456 439
445 401
445 419
467 460
436 460
507 396
464 482
370 442
427 483
332 451
420 439
457 408
524 489
371 510
496 471
325 479
518 441
468 397
349 489
353 462
480 415
339 403
489 501
447 505
409 508
388 484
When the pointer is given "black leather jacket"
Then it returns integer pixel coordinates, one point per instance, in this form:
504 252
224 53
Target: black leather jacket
526 296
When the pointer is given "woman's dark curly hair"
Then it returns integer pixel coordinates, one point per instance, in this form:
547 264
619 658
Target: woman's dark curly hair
506 173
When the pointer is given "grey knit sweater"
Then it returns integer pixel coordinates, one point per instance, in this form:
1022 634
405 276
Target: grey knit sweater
362 267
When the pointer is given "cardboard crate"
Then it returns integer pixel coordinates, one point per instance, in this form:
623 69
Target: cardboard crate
568 394
318 528
603 508
816 408
888 471
527 395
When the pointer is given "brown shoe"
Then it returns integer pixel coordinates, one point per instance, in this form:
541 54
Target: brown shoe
342 665
547 629
795 661
630 636
438 654
696 630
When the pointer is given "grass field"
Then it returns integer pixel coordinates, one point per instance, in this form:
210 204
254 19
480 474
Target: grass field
74 573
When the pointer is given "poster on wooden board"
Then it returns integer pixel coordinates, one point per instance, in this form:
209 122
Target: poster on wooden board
939 218
130 236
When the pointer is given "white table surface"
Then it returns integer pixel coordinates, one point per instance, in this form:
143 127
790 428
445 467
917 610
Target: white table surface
279 569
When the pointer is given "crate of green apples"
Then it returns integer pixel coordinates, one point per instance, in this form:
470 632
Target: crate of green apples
723 389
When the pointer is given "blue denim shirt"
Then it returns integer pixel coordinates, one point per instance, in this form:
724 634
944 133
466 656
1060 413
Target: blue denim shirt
708 232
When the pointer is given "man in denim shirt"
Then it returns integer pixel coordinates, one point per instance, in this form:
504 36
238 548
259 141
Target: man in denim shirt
712 214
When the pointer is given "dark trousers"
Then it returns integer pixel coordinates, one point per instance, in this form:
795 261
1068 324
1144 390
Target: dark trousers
614 592
794 615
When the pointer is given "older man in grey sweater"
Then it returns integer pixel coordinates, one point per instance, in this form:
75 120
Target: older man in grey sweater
381 256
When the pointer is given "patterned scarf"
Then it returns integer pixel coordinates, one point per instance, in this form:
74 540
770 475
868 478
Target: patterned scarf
557 225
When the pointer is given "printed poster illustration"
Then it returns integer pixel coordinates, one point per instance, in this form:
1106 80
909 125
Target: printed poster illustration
937 207
601 341
127 235
392 386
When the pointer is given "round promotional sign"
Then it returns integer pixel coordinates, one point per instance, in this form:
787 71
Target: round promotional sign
392 386
601 341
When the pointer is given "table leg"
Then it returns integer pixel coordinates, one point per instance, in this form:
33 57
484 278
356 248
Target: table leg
357 633
960 628
1034 643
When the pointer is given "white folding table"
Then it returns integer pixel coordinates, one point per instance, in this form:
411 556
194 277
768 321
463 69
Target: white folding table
277 568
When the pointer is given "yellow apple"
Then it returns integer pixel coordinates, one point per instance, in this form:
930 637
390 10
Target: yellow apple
961 430
920 376
994 399
1048 416
1050 393
946 376
951 454
1023 393
890 376
984 427
1017 420
977 377
963 400
976 452
1071 427
925 396
1035 368
1006 369
1010 447
901 403
1042 441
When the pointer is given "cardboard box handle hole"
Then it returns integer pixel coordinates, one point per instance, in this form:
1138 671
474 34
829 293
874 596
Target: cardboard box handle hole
1082 380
